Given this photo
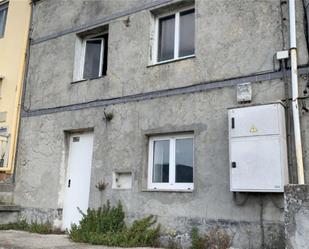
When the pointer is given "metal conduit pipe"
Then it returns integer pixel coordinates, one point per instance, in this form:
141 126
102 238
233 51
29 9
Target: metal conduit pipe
294 81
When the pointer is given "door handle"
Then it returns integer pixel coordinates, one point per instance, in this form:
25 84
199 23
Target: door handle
234 165
233 123
69 183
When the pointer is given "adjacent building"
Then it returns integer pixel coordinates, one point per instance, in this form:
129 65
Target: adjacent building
129 101
14 28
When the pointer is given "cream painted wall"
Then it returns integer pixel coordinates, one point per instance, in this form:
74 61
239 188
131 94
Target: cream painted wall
12 60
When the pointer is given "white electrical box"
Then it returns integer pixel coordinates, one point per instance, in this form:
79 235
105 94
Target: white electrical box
258 154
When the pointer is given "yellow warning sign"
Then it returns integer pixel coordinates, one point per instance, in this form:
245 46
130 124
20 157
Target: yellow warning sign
253 129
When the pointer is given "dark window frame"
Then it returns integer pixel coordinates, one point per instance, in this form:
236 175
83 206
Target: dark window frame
103 67
4 7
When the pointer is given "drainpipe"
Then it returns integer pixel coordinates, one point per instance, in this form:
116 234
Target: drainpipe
295 107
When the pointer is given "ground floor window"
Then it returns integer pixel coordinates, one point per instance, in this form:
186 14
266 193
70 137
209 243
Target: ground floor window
171 162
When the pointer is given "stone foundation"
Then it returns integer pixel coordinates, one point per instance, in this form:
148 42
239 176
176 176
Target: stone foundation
297 216
240 234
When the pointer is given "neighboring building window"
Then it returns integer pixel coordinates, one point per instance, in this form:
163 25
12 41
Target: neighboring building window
171 162
4 147
91 57
175 35
1 86
3 14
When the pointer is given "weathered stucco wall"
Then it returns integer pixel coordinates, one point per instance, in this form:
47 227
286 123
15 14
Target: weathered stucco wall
233 39
41 169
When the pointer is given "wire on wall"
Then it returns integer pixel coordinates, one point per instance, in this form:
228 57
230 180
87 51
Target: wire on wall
240 201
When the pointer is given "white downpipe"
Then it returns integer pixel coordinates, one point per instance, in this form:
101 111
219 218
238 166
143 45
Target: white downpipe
294 80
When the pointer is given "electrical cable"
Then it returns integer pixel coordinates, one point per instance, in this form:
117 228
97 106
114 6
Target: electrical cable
306 25
276 204
262 222
242 202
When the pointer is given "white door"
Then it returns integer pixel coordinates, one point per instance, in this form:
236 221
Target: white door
78 178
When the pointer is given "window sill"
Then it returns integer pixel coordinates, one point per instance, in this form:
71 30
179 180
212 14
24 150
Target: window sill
78 81
83 80
169 190
171 61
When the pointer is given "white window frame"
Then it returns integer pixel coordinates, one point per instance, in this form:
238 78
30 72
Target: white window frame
80 55
176 35
171 185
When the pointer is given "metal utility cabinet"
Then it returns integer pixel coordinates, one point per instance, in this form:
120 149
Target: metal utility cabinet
258 154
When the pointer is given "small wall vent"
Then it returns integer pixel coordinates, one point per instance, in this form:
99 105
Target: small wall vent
122 180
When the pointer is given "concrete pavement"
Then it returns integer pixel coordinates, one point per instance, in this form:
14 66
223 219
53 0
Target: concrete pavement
23 240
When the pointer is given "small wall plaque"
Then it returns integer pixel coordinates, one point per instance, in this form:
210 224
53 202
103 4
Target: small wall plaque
244 93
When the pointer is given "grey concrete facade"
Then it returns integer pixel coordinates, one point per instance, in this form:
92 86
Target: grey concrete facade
233 39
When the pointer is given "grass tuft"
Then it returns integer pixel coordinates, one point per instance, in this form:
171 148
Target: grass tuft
33 227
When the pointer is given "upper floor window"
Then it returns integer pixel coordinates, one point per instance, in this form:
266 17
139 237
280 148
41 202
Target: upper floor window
175 33
171 162
91 56
3 14
94 59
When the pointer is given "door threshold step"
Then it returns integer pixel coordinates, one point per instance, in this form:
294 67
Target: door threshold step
6 187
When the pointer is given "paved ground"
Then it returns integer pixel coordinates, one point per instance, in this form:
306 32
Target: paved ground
24 240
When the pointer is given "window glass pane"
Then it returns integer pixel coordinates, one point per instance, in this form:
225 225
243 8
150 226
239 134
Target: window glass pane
92 59
3 12
3 150
166 38
161 154
186 33
184 160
